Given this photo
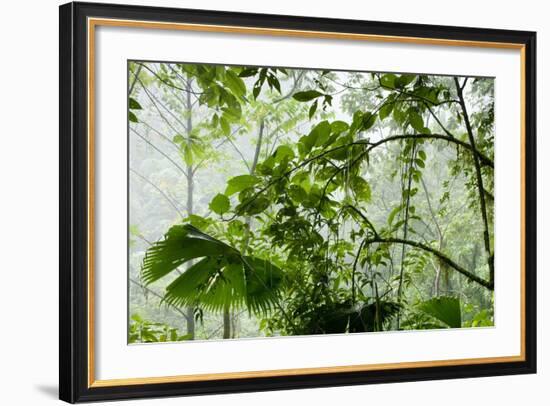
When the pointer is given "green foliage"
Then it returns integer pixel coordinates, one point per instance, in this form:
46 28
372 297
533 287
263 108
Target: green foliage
240 183
144 331
445 309
321 202
235 83
337 318
484 318
416 121
388 80
133 105
220 204
361 189
307 95
222 278
368 120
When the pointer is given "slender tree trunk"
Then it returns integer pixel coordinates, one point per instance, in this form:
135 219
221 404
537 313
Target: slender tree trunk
248 219
440 265
258 147
190 196
226 323
479 179
474 257
234 324
443 271
447 279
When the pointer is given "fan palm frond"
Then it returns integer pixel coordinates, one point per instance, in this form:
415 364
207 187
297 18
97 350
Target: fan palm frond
222 278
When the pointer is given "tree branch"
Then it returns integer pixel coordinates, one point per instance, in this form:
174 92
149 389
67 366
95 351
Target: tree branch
135 80
371 146
154 100
168 83
487 284
159 151
482 158
159 190
160 297
365 219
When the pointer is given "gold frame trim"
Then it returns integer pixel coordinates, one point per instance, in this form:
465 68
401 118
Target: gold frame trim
94 22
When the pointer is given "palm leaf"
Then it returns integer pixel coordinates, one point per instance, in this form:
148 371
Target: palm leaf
222 278
263 281
181 243
445 309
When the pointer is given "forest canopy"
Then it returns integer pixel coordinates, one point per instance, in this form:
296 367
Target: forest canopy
268 201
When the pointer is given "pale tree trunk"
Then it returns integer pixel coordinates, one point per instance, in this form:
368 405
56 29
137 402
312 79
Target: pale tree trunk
234 324
440 264
226 323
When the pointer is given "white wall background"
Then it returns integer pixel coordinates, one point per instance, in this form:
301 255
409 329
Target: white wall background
29 189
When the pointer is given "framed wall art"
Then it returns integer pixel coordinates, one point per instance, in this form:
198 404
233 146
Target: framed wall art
256 202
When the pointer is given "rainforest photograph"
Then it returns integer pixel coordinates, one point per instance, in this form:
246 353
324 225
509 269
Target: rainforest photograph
274 201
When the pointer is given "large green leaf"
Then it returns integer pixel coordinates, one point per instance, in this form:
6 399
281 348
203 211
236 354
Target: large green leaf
368 120
307 95
235 83
445 309
388 80
133 104
240 183
318 135
385 110
283 152
222 278
416 121
338 126
220 204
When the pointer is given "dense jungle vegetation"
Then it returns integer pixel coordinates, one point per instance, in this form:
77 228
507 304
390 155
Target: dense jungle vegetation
269 201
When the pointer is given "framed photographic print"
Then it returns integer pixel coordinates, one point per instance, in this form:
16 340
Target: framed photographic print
256 202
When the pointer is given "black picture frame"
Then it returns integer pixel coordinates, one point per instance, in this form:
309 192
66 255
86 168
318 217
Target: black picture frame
74 199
